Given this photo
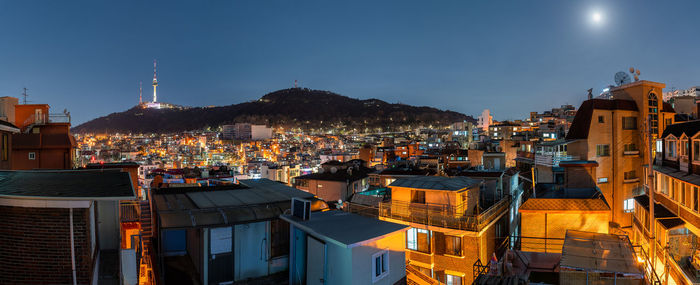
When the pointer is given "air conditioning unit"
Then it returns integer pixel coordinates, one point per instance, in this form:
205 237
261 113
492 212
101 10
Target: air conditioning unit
301 208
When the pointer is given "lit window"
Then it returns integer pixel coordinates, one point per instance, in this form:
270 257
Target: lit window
603 180
418 240
453 280
629 206
381 265
32 156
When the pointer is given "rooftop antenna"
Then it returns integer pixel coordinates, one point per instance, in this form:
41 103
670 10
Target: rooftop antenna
295 83
24 94
590 93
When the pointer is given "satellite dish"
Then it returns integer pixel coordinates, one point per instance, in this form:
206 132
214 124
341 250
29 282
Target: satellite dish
622 78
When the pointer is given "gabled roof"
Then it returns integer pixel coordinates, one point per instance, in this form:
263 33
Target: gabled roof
689 128
436 182
67 184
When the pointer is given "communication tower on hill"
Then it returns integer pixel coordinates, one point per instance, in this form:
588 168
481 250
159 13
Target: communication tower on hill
155 82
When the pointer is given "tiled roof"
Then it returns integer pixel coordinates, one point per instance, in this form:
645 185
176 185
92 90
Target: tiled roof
435 182
545 204
67 184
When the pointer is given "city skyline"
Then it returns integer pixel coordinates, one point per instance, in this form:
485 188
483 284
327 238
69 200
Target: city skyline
89 58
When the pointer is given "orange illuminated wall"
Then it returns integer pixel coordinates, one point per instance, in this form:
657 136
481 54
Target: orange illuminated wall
24 114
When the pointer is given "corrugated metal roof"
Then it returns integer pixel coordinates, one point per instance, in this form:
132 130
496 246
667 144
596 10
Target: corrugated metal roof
253 200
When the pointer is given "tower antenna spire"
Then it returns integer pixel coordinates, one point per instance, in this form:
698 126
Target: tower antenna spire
155 82
24 94
140 92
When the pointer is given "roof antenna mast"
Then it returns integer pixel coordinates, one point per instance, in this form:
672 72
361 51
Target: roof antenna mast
24 94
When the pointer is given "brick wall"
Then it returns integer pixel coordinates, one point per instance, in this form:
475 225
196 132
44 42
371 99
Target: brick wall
35 246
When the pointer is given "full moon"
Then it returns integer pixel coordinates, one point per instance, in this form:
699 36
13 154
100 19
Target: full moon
597 17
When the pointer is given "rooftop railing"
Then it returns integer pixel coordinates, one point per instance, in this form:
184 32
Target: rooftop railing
445 216
129 211
553 159
42 119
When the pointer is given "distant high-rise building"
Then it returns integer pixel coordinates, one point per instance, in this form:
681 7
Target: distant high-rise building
485 120
245 131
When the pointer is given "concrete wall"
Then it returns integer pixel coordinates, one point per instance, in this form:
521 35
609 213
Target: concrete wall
339 267
362 262
327 190
554 225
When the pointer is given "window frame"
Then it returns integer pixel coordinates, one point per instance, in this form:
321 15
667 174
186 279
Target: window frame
32 155
384 256
671 148
457 251
599 150
412 242
626 120
628 205
452 282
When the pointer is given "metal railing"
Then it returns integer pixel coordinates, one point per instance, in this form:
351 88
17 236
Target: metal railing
453 217
42 119
553 160
129 211
649 272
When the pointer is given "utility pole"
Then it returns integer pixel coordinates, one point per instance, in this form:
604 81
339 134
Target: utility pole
650 187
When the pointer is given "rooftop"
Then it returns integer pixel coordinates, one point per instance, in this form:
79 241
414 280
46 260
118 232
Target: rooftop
67 184
436 182
355 229
599 252
252 200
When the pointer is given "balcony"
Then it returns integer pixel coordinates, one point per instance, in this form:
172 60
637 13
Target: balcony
43 119
443 216
129 211
552 160
525 155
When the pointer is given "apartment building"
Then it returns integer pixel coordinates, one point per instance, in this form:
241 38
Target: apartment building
44 140
335 180
504 130
612 132
451 225
62 227
677 202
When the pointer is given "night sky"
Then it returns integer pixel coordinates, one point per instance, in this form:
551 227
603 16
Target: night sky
511 57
